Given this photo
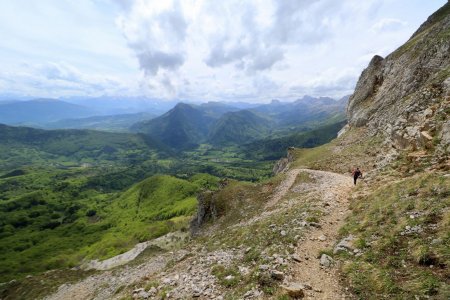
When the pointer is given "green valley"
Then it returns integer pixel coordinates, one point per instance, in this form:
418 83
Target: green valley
68 196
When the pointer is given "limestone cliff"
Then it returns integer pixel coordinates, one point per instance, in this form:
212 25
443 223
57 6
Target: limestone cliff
406 95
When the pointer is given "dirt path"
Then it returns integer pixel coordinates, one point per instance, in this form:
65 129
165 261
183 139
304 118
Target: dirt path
283 188
333 189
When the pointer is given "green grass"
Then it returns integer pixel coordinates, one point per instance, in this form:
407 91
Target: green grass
341 155
395 263
47 229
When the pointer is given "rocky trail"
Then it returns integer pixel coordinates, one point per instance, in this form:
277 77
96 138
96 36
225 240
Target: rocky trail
321 275
283 188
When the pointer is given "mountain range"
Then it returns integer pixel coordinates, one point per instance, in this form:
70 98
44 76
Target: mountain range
187 125
39 111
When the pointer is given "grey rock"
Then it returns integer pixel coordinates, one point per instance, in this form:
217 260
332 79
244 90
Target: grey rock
277 275
326 261
344 245
229 277
315 224
138 290
436 241
322 238
294 290
296 258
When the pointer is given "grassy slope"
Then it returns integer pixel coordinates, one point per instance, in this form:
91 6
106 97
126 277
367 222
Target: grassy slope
275 147
48 229
393 265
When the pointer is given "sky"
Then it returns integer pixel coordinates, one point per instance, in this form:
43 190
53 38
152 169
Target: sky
198 50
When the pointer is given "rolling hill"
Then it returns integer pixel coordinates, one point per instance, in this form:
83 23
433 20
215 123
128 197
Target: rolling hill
42 230
23 146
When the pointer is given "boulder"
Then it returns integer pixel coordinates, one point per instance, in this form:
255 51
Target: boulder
326 261
294 290
344 245
277 275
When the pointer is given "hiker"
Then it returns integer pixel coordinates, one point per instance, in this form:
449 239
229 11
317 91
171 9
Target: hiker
356 174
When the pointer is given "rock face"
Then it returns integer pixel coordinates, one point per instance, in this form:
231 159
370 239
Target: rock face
206 211
283 164
406 95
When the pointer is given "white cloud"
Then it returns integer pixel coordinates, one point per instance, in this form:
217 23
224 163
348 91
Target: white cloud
207 41
252 50
64 80
156 33
388 24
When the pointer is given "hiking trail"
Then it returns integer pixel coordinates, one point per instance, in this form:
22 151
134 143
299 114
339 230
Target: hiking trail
333 190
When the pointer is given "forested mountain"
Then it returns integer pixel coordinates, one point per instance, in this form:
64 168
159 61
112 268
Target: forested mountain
304 111
187 125
182 127
239 127
274 148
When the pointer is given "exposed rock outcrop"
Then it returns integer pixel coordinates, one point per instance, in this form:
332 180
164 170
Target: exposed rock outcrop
208 209
406 96
283 164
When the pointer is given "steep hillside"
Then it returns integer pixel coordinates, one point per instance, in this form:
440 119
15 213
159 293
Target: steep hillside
406 95
41 111
49 229
274 148
182 127
400 217
239 127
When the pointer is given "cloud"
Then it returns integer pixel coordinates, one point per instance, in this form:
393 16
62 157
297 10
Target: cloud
252 50
56 79
156 34
151 61
331 82
388 24
242 39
